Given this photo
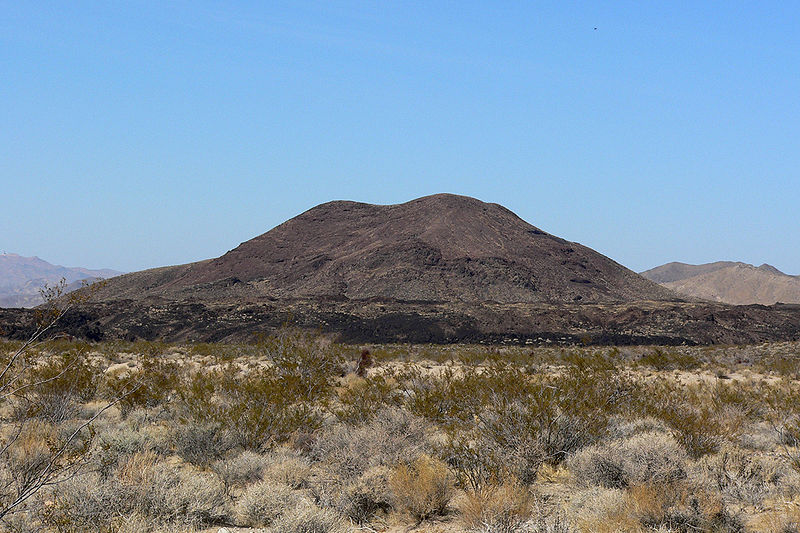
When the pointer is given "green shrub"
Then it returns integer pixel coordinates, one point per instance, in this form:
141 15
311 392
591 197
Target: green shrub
154 382
263 406
661 360
364 398
53 390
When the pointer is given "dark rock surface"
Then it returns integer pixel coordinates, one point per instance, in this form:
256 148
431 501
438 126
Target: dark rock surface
358 322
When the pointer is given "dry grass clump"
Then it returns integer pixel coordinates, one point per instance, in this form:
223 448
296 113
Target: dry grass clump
651 457
781 516
288 467
680 507
421 489
504 507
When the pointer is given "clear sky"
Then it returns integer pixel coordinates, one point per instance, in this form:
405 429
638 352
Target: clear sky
140 134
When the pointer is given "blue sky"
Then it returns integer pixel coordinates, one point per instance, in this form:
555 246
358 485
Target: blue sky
140 134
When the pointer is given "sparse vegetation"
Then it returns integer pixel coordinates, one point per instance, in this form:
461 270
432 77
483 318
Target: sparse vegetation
284 435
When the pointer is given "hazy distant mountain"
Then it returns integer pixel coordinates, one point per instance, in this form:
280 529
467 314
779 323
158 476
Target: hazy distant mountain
21 278
729 282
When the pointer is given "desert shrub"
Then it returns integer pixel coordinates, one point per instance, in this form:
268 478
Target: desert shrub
264 406
220 352
199 443
444 399
241 469
680 507
85 503
503 507
32 450
392 436
602 510
308 518
154 382
365 397
142 487
622 427
359 500
695 423
741 475
644 458
264 501
422 489
184 495
287 467
115 444
304 365
54 389
660 359
508 423
476 462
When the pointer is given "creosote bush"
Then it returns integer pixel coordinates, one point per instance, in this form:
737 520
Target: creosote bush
263 406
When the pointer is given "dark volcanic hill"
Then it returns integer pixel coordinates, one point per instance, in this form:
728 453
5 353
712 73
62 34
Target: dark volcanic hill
441 248
442 268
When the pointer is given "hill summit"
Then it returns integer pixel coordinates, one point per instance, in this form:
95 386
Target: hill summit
440 248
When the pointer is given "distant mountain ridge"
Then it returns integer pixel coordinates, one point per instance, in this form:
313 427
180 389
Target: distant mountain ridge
730 282
21 278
